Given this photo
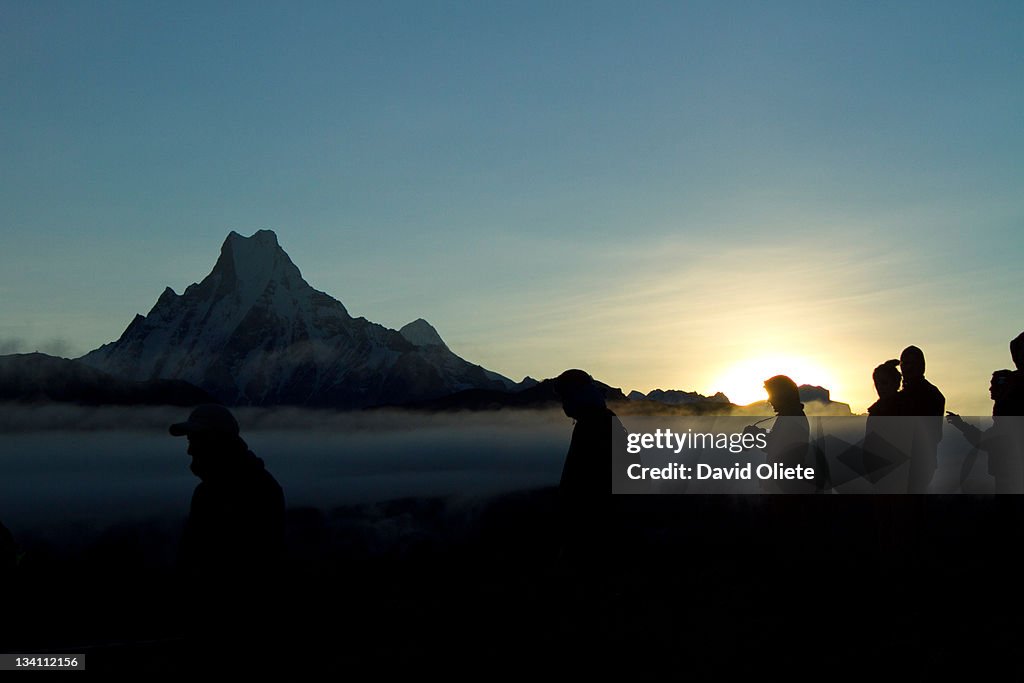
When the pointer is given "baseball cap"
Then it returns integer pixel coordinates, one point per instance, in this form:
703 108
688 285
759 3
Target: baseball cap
209 419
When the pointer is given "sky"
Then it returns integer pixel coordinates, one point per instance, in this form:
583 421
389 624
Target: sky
669 195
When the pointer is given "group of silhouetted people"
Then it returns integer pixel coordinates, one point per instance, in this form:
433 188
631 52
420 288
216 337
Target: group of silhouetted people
904 451
899 453
234 537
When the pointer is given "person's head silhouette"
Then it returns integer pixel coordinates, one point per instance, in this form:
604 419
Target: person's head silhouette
783 394
579 393
1002 385
1017 351
213 440
912 363
887 378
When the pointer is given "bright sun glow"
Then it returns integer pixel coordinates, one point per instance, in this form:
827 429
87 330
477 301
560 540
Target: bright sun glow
743 382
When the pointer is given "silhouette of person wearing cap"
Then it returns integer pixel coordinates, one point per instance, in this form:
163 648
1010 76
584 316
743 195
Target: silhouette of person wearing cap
922 400
236 520
233 546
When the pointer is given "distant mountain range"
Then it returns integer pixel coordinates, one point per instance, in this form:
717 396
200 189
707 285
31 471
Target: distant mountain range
675 397
254 332
816 400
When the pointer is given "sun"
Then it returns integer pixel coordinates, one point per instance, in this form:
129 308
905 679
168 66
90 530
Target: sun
743 382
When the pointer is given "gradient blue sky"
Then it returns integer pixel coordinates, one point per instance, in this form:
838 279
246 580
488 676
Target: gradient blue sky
654 192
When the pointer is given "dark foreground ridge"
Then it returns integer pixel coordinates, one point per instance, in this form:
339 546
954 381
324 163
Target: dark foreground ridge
703 586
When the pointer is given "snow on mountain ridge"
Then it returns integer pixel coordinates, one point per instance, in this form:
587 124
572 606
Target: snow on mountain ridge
254 331
251 264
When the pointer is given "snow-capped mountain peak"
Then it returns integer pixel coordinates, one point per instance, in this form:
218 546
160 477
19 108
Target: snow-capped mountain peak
255 332
422 333
248 265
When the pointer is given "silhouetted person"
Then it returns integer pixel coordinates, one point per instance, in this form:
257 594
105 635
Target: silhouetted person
233 545
887 440
886 378
921 399
792 523
1004 440
1004 443
585 488
236 521
788 442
